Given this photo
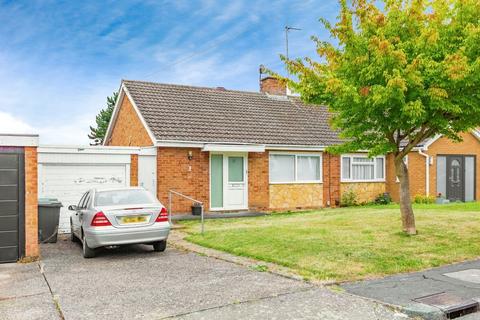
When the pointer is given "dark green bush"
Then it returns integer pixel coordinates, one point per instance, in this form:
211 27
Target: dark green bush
349 199
383 198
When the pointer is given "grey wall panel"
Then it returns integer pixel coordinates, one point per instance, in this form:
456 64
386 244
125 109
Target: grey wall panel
8 176
469 178
442 175
9 161
8 208
9 193
8 223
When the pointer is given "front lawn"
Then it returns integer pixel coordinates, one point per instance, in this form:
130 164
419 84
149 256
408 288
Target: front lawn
349 243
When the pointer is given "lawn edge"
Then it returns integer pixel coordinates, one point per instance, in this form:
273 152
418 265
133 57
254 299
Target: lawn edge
177 240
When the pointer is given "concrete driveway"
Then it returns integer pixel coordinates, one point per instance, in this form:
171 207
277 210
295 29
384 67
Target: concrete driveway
136 283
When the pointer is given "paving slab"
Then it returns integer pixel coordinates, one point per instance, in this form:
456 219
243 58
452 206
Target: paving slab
136 283
458 280
24 293
310 304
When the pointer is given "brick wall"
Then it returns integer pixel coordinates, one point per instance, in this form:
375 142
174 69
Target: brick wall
295 196
365 191
190 177
258 181
416 174
331 180
128 130
271 85
31 203
134 170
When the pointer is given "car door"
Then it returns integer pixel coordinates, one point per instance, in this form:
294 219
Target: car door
76 225
83 210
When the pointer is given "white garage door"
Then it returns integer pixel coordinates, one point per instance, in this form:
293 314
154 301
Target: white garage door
68 182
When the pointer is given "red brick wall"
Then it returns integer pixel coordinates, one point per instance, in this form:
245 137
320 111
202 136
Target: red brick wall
271 85
134 170
128 129
190 177
331 180
31 203
258 181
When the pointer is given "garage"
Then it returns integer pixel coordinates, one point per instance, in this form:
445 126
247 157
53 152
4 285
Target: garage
12 213
18 197
66 173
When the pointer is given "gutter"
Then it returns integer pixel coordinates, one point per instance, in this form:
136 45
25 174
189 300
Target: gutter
427 171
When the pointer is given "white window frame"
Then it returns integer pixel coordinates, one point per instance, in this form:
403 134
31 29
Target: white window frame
360 155
296 155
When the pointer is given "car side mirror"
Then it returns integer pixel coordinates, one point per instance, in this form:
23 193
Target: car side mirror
72 207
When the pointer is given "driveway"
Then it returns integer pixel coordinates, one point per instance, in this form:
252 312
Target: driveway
136 283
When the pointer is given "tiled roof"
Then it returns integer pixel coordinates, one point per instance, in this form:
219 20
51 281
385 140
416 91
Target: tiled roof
195 114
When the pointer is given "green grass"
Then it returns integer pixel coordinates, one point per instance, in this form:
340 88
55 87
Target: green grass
349 243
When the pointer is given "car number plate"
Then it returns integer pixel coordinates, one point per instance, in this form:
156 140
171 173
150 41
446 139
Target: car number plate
134 219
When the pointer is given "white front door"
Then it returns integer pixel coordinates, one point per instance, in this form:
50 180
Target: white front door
228 181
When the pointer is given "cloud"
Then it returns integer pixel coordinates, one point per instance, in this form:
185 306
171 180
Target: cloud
74 132
12 124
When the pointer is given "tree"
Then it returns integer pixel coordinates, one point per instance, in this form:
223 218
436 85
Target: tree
396 73
102 120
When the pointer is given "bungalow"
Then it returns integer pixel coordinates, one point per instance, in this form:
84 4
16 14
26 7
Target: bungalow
237 150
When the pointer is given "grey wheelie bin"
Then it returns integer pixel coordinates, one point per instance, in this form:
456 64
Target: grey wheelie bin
48 216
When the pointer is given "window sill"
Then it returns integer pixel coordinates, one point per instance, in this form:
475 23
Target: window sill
362 181
298 182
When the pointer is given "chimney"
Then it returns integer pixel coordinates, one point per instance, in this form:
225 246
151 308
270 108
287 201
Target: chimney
273 86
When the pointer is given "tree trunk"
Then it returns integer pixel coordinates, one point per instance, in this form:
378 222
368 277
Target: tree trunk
408 219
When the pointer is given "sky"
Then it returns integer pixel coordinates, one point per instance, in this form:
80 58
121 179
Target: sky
59 60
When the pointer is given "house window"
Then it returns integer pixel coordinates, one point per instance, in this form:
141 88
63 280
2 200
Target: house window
362 168
295 168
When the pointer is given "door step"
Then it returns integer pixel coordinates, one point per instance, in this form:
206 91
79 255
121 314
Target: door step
451 305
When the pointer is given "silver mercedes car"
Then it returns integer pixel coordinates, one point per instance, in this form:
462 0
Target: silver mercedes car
113 217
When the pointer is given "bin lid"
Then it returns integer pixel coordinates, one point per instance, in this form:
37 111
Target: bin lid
49 202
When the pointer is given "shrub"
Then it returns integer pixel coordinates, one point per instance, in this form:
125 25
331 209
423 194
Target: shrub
383 198
424 199
349 199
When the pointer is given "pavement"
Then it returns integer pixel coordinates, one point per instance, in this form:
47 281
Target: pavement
136 283
457 282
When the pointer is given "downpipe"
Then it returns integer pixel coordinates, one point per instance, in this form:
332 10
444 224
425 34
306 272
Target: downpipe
427 171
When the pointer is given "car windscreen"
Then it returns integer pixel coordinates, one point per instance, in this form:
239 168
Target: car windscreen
123 197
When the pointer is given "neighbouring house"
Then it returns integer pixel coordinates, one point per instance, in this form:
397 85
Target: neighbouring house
237 150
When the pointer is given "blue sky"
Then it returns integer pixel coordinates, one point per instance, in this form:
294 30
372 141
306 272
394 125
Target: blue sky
60 59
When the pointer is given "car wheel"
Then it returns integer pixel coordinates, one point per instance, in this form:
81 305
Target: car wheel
160 246
87 251
73 237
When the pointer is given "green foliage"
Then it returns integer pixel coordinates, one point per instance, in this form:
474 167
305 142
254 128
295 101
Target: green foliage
399 71
349 198
419 199
383 198
102 120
